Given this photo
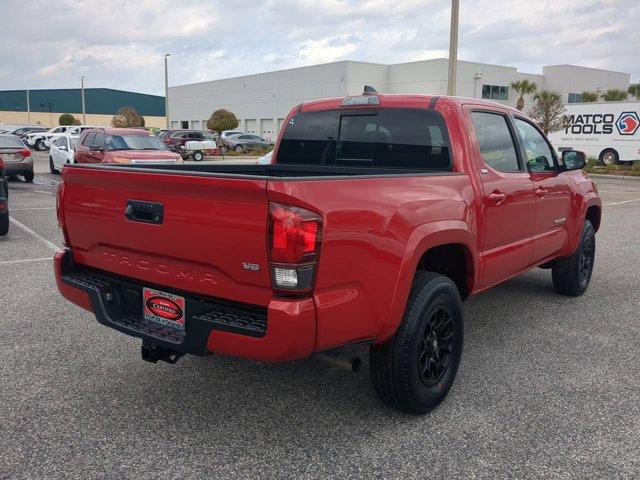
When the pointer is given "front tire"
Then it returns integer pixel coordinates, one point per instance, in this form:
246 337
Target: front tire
571 275
52 167
238 149
4 224
40 146
414 371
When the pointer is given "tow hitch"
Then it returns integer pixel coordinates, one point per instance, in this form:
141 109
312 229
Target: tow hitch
153 353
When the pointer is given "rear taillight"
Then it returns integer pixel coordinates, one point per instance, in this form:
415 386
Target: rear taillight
60 212
295 236
25 152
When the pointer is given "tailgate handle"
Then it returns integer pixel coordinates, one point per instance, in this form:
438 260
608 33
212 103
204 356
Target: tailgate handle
145 212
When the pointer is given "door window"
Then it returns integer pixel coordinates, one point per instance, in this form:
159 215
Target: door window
495 141
98 141
88 140
539 156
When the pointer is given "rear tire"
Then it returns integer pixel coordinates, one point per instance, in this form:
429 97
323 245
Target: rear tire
198 156
28 177
414 371
4 224
571 275
609 157
52 167
238 149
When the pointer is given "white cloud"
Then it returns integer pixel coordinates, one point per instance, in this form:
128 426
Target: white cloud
120 44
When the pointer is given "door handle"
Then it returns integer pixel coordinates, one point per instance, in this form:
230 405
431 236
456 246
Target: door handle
497 197
541 192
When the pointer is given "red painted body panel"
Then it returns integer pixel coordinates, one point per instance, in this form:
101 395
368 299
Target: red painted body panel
375 231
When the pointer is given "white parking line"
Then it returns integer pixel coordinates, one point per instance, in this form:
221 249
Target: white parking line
9 262
47 181
31 208
623 201
49 244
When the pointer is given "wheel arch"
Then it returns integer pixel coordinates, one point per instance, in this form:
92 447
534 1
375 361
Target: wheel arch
594 215
445 247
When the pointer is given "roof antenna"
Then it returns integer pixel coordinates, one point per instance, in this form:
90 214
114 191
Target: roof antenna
369 90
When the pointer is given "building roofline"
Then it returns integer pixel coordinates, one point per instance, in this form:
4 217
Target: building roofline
588 68
78 88
281 70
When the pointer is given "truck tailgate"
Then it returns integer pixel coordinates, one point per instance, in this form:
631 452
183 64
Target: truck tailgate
210 240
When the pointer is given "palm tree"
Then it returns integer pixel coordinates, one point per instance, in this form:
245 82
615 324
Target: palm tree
634 90
523 87
547 110
614 95
589 96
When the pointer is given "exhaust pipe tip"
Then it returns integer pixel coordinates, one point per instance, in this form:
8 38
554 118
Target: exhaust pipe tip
340 360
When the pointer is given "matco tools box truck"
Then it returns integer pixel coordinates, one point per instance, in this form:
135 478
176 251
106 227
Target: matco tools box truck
609 131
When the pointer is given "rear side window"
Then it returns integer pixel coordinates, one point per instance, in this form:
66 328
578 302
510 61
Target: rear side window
495 141
390 138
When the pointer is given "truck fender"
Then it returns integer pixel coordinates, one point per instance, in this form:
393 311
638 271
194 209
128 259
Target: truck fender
589 199
422 239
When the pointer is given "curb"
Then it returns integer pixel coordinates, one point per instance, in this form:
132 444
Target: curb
627 178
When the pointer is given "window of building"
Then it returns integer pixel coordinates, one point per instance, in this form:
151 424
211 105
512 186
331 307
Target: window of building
495 92
495 141
575 97
184 124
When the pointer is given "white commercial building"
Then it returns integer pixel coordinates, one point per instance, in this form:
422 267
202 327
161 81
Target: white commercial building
262 101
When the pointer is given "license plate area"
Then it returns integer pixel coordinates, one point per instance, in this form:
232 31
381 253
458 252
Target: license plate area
164 308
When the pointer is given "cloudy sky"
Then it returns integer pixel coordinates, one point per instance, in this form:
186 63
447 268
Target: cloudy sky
120 44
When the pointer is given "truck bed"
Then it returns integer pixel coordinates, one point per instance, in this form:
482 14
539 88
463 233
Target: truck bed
266 172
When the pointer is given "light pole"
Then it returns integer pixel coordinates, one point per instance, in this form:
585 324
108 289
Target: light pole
166 89
453 47
84 113
476 78
28 109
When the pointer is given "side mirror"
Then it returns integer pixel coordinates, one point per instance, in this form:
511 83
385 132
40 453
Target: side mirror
574 159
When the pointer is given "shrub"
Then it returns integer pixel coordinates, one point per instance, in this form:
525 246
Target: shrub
222 120
67 119
127 117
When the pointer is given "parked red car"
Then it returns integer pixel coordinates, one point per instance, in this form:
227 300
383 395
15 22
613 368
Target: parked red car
122 145
378 216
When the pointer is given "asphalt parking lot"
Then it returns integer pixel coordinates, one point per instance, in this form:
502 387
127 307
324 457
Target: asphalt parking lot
548 386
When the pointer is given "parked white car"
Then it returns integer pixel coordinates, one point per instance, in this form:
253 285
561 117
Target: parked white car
37 140
42 140
61 152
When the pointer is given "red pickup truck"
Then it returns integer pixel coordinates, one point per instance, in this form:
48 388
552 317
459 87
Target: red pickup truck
378 216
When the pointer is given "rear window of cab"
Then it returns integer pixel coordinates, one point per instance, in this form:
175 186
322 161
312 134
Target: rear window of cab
373 137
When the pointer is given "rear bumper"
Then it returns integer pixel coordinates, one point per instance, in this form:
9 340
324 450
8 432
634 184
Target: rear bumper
25 165
285 330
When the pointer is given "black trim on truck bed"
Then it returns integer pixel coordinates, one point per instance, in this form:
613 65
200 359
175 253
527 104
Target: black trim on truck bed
117 303
273 172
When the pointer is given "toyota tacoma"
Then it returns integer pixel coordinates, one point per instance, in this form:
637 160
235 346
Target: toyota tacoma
377 217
